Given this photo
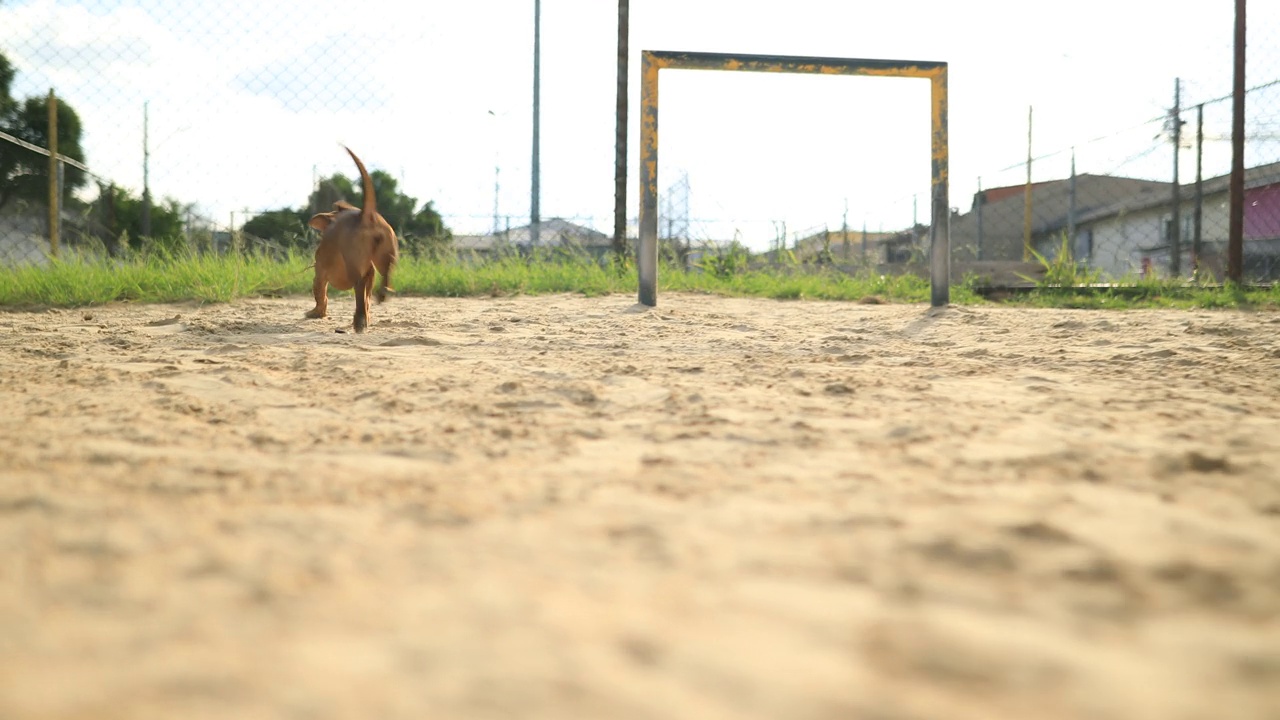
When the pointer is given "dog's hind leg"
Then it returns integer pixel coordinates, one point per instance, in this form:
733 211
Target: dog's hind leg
319 288
385 265
363 286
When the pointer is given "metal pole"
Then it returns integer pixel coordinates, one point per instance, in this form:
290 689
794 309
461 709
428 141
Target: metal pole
146 170
981 201
535 219
113 236
1026 199
1175 222
497 191
620 142
647 259
844 229
1197 216
940 227
1235 238
1071 208
55 201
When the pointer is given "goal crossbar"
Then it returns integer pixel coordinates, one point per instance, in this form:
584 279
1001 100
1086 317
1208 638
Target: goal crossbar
652 61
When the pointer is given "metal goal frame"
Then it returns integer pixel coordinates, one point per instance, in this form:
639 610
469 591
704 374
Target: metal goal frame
653 61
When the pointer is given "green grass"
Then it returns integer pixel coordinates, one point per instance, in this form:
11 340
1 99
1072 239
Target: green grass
1154 293
1066 283
208 278
153 278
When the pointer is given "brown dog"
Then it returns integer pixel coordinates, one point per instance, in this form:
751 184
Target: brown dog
353 242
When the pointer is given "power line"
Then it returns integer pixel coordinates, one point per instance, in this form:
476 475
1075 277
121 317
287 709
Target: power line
1159 118
61 158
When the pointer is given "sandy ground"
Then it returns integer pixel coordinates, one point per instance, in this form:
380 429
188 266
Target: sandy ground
561 507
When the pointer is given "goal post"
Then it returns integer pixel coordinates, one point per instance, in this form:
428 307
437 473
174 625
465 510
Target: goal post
652 61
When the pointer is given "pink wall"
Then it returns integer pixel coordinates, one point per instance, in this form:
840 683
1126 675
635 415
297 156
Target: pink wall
1262 212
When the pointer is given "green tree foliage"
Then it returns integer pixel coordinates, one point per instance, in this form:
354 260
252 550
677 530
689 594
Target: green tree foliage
285 226
329 191
24 174
421 228
7 73
122 217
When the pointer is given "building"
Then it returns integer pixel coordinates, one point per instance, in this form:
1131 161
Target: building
554 234
995 227
1134 235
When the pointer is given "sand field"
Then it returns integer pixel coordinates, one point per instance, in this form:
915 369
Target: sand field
569 507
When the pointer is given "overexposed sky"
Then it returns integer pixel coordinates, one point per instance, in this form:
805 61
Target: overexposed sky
249 99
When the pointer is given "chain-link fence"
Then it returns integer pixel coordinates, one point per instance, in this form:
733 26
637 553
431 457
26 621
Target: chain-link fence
213 127
1114 206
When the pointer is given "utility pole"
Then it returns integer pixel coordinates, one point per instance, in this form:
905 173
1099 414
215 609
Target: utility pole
620 141
981 201
1175 221
497 188
1027 201
535 220
1071 208
1198 213
844 229
146 169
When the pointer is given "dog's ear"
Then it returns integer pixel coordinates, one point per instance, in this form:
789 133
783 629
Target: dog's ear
343 205
320 221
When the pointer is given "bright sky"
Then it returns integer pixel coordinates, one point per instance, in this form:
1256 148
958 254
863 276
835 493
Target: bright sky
249 99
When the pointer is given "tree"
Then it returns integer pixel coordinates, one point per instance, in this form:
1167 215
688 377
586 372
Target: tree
329 191
24 174
286 226
400 210
7 73
421 229
123 216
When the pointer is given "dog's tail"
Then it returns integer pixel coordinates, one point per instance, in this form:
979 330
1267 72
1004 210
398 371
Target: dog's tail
370 204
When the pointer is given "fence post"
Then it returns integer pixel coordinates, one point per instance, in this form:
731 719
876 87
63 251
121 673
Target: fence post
1235 235
54 209
620 141
1198 212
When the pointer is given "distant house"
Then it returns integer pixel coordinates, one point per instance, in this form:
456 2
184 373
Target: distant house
481 245
905 247
844 245
1135 234
553 233
995 226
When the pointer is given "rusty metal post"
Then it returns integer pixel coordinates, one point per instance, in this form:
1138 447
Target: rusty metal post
1235 236
620 142
647 258
55 200
940 226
